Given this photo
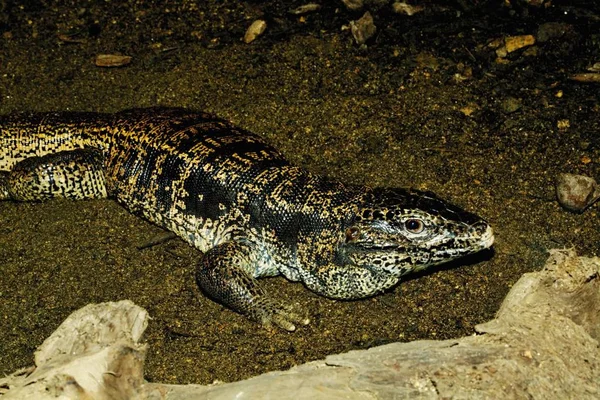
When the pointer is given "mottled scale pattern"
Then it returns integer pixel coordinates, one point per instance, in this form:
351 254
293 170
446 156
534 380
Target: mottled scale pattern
228 193
76 174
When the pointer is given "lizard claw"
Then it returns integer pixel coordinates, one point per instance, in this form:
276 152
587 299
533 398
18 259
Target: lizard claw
271 313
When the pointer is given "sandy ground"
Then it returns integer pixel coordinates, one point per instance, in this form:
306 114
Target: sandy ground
426 104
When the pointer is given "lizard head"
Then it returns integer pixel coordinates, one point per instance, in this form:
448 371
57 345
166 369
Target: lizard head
396 232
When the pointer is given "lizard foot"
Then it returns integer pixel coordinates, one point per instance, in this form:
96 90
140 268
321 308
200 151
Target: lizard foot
272 313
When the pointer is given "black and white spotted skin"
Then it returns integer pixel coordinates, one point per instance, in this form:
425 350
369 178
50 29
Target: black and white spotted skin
232 196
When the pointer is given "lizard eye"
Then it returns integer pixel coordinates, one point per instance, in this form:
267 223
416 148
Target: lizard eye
414 225
352 234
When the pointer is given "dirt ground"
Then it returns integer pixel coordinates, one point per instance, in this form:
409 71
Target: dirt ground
431 101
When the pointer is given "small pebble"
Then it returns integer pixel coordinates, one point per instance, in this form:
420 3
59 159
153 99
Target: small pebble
584 144
595 67
510 104
563 124
112 60
363 29
469 109
255 30
576 192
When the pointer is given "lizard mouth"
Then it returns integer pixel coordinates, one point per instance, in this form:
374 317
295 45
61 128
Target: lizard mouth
374 248
487 239
480 238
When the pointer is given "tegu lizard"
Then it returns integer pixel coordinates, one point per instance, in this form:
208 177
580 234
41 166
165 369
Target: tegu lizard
226 192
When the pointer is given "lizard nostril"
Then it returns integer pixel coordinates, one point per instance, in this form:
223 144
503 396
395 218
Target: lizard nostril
485 232
480 227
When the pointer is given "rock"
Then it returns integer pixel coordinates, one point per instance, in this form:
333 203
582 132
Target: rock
94 354
595 67
576 192
363 29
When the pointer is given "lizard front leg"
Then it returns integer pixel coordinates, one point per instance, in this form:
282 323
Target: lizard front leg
222 275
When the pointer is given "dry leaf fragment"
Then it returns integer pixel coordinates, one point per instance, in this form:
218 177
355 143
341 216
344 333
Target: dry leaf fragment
354 4
112 60
405 8
586 77
513 43
305 9
69 38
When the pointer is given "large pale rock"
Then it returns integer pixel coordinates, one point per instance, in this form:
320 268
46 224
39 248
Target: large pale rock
94 354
